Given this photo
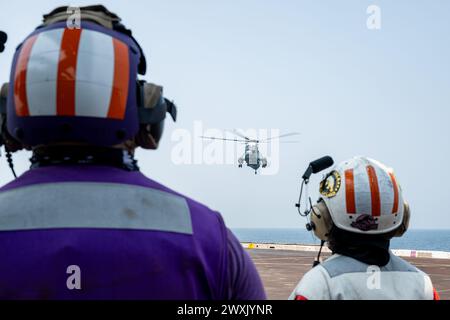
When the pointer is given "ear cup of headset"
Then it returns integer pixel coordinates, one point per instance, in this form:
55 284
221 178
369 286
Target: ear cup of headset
321 220
144 138
405 222
152 111
10 143
149 135
156 131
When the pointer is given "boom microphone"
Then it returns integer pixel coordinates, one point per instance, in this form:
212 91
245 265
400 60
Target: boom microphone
317 166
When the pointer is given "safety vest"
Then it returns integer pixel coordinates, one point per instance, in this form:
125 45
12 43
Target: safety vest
344 278
93 232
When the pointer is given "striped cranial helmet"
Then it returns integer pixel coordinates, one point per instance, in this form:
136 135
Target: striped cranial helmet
80 84
363 196
73 85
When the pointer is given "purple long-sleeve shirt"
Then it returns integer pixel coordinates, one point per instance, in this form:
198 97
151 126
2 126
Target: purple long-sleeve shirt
99 232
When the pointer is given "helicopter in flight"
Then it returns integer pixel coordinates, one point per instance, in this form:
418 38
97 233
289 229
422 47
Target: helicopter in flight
252 157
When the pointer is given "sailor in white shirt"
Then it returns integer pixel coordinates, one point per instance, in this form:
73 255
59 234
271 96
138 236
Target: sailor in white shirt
361 208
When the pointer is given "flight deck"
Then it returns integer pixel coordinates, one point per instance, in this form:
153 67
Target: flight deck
281 270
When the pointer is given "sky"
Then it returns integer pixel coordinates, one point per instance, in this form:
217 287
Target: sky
312 67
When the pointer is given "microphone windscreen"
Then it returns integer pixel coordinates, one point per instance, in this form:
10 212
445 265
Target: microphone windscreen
321 164
3 37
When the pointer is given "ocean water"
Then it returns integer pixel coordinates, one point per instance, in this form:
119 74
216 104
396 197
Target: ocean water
437 240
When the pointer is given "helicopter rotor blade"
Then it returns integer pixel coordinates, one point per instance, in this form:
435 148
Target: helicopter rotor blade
237 133
223 139
282 141
281 136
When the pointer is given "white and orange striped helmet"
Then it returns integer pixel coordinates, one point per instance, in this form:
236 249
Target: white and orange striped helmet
363 196
81 85
73 85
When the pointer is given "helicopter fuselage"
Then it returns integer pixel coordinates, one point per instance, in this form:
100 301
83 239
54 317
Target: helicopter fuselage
252 158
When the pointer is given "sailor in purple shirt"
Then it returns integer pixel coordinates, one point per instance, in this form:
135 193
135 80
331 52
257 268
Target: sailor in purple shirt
84 222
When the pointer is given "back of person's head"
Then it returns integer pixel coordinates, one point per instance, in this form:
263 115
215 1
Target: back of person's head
78 85
360 209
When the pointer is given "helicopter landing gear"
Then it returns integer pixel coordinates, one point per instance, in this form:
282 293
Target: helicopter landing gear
240 166
256 172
